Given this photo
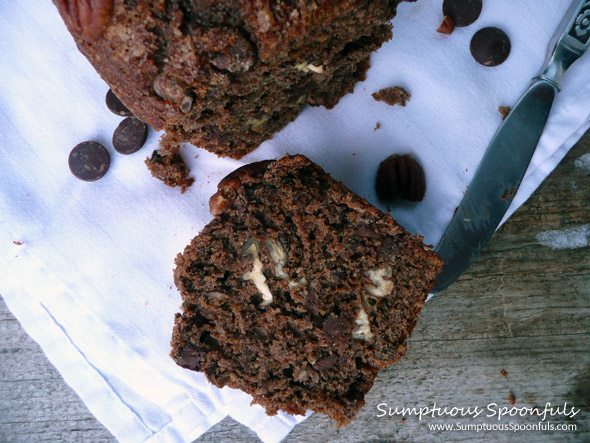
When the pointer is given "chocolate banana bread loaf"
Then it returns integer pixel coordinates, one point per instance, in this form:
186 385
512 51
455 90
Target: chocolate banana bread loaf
299 291
225 75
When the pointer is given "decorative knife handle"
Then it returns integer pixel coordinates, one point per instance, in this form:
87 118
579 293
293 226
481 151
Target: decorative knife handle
569 43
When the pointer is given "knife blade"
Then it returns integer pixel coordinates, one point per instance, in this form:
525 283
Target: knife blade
507 158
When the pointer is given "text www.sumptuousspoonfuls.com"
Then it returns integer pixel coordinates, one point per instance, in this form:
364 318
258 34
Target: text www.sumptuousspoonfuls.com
548 417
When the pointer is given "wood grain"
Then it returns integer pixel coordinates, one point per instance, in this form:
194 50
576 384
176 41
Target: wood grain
522 308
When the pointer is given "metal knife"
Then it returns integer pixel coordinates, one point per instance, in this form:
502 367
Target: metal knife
506 160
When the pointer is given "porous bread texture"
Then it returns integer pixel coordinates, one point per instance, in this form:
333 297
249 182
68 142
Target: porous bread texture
226 75
299 291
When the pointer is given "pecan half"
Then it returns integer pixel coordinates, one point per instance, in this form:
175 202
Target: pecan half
166 86
253 170
400 176
85 19
222 199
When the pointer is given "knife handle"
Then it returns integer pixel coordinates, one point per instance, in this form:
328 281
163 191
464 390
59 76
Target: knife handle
569 43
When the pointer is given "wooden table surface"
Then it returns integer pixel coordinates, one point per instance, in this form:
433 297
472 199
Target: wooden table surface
523 309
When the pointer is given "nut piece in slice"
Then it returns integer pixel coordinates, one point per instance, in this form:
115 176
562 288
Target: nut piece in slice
298 291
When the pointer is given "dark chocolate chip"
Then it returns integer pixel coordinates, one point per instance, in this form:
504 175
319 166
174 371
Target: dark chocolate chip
260 333
295 330
129 136
89 161
334 327
115 105
462 12
365 231
189 358
326 363
210 341
490 46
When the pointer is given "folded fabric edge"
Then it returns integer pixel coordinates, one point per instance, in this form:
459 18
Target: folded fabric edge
93 389
539 173
87 381
273 431
84 379
182 428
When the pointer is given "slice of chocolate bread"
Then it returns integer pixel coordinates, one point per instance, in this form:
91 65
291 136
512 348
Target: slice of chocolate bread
299 291
225 75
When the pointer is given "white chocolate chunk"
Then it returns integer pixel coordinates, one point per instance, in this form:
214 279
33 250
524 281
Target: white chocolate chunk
216 294
363 332
256 275
382 287
279 257
257 123
304 66
293 284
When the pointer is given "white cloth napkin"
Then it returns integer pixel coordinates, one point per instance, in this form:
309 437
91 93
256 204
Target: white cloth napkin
92 281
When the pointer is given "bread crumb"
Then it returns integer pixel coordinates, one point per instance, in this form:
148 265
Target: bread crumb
168 166
392 96
18 243
504 111
377 126
511 398
447 26
504 373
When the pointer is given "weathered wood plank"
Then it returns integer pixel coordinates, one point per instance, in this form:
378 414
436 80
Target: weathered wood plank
522 307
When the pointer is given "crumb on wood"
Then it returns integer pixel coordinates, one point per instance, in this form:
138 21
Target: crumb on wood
377 126
511 398
447 26
392 96
504 373
504 111
403 419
